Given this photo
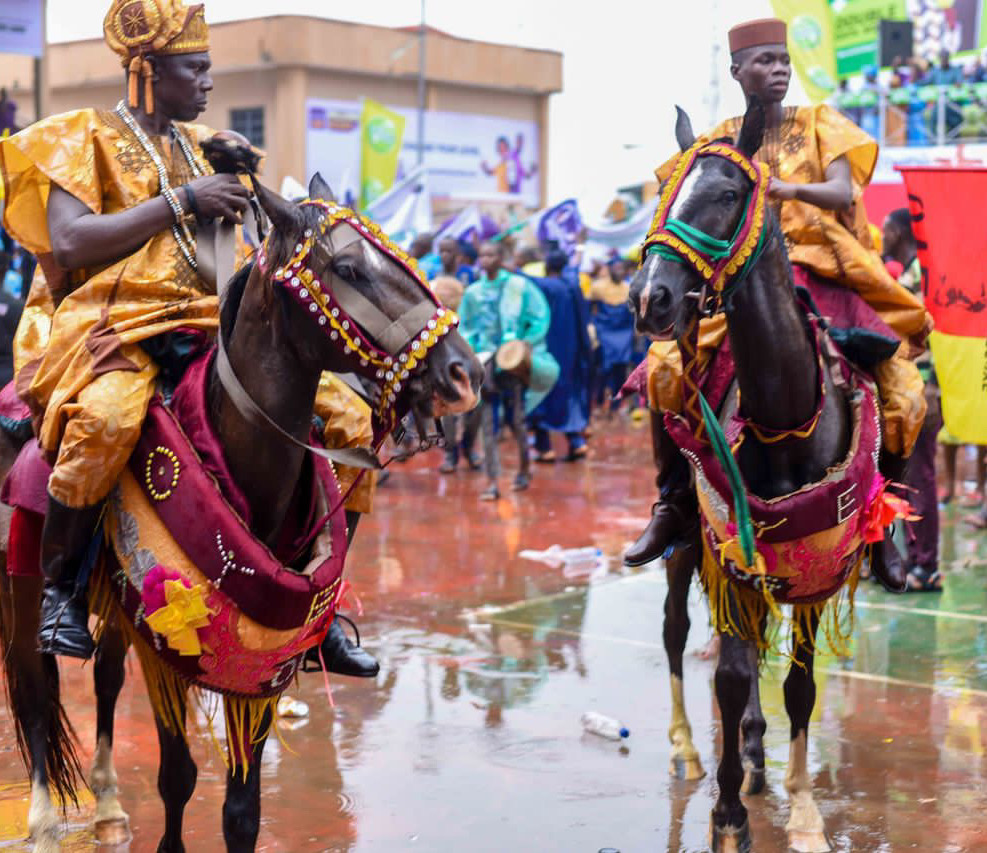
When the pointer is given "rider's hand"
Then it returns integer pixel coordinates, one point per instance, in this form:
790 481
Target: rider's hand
219 196
782 190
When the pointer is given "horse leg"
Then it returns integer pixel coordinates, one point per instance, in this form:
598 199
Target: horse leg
30 676
805 825
685 763
241 810
752 728
110 823
729 831
176 782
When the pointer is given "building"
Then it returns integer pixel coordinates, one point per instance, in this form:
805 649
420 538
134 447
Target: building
268 72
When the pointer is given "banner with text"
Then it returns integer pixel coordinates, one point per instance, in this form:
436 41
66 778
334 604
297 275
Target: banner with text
468 156
810 42
943 203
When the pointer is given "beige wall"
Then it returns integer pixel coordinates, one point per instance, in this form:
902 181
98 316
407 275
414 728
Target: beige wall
281 61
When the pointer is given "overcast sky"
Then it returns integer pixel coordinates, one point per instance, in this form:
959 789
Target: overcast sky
625 64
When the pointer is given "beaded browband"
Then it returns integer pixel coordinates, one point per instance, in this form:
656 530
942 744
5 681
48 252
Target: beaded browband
324 297
718 262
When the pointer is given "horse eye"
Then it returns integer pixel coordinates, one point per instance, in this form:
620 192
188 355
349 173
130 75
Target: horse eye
729 197
346 271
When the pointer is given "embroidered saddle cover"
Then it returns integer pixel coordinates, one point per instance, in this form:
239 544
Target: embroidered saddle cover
807 542
218 607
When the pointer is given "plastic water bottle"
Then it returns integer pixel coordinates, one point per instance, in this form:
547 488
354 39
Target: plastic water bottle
599 724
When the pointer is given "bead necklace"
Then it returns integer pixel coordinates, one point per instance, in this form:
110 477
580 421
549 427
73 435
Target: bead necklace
184 238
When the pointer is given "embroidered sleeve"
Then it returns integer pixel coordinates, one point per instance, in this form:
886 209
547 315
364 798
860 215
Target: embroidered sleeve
837 136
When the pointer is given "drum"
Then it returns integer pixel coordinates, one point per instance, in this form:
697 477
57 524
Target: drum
514 357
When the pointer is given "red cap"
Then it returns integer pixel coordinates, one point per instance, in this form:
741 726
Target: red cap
757 33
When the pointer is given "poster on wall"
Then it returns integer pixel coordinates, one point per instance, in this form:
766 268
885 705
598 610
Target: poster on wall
468 156
20 27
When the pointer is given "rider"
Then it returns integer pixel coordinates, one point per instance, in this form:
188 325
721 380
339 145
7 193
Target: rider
109 202
819 162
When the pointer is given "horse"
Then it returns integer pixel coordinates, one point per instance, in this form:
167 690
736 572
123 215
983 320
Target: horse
797 423
260 389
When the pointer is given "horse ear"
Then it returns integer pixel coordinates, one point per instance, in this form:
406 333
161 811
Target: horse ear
318 188
282 213
684 134
752 130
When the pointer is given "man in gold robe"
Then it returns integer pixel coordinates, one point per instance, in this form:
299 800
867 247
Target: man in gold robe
820 163
109 201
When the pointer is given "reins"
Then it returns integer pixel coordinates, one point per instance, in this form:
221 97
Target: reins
380 349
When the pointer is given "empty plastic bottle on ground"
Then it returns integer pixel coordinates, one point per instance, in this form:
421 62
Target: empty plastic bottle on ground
599 724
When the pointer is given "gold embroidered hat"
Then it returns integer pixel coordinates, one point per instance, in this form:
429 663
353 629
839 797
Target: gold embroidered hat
136 29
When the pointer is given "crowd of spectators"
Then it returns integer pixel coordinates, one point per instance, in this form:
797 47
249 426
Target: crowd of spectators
918 102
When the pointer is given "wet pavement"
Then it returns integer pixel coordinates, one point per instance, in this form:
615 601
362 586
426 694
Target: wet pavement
470 739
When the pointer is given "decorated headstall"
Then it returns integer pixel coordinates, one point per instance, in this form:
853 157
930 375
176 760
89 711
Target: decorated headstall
721 264
379 348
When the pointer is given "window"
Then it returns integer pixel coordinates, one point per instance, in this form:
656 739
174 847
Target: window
250 123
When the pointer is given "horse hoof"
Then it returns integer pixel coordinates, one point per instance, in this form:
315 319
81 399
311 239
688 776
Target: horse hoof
686 769
754 781
808 842
113 831
729 839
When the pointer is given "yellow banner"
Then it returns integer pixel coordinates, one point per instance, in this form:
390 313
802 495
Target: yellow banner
381 135
811 44
961 367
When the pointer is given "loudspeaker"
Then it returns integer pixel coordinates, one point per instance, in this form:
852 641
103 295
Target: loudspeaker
895 38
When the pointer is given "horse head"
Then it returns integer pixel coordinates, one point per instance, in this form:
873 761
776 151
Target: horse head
698 228
367 309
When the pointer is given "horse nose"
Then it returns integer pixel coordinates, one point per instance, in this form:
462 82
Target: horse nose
661 300
463 373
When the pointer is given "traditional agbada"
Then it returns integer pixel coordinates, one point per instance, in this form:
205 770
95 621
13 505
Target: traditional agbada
83 351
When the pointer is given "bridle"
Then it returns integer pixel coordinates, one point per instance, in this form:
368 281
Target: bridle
721 264
374 346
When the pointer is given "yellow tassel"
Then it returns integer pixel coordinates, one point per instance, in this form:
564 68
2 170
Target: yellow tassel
744 612
148 73
132 79
248 720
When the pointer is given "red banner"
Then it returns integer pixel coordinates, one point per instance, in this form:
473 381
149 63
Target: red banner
949 208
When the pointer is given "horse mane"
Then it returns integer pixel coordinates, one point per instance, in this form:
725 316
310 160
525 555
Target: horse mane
234 296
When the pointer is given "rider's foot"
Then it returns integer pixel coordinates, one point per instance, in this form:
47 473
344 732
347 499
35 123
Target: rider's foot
64 626
677 512
342 656
887 566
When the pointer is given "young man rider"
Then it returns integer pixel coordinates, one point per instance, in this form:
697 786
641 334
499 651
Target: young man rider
109 201
819 164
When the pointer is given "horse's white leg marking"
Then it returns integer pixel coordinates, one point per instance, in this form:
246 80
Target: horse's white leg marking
805 825
42 820
685 763
110 822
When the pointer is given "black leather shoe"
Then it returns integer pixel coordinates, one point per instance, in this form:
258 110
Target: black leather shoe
64 627
341 655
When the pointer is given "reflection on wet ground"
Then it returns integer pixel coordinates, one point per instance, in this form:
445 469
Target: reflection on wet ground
470 738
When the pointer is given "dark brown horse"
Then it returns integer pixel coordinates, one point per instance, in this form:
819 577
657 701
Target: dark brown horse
778 374
278 352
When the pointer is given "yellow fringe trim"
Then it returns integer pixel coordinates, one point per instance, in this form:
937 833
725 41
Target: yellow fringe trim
248 720
743 612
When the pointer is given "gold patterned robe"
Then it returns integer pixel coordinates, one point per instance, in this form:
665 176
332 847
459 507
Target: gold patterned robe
77 359
833 245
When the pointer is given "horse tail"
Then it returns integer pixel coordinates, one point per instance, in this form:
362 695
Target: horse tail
62 766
